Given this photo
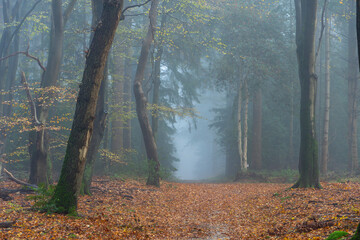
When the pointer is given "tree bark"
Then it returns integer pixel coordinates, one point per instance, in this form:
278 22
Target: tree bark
5 40
256 146
239 129
231 168
246 110
128 102
156 91
291 163
100 113
157 79
97 136
352 94
357 233
305 41
13 62
325 144
127 99
68 188
140 98
8 67
358 29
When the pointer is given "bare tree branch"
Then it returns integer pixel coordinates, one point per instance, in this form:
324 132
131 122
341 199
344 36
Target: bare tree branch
21 23
133 15
11 177
322 28
31 100
68 10
132 6
26 53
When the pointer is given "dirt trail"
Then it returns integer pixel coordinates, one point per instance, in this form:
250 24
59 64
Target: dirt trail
130 210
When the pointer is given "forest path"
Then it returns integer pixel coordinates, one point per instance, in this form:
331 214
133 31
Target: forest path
131 210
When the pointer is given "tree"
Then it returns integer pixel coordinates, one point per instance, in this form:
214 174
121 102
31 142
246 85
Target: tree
117 98
352 92
100 113
39 139
358 28
68 188
243 167
325 141
127 99
9 43
357 233
157 72
140 98
256 148
305 42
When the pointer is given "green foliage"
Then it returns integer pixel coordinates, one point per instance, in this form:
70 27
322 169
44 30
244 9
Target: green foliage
72 235
337 235
42 197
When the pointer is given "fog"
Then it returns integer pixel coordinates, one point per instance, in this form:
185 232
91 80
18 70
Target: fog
200 156
235 62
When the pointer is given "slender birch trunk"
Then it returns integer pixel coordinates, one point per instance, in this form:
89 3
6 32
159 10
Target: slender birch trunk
325 144
256 152
244 158
239 132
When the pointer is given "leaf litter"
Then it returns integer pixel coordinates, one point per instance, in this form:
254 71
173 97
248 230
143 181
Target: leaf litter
130 210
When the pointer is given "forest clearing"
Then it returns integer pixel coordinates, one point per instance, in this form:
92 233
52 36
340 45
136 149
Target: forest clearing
128 209
130 105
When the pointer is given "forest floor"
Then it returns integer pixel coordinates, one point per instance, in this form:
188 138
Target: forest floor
130 210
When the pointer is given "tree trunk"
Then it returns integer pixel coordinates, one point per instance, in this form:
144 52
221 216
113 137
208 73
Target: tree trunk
357 233
13 62
116 145
38 148
291 128
156 92
4 43
230 167
358 29
244 158
100 113
8 67
325 144
148 136
97 136
291 160
238 128
68 188
352 94
127 99
305 41
256 148
157 79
